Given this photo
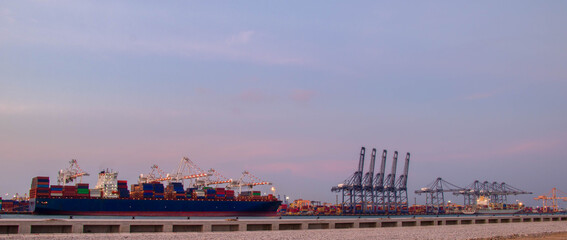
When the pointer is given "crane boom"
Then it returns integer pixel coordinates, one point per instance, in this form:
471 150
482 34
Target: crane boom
553 196
71 173
392 182
368 180
358 180
372 163
406 171
382 170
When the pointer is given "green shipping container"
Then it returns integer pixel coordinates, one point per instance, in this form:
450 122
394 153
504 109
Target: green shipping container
82 191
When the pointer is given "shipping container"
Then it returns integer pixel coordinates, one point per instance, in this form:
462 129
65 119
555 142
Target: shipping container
82 191
147 186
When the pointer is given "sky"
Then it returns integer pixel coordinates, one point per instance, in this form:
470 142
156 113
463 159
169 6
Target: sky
289 91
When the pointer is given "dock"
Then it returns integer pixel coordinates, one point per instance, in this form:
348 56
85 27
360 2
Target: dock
50 226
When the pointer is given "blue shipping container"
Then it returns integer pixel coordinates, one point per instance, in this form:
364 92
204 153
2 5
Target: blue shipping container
147 186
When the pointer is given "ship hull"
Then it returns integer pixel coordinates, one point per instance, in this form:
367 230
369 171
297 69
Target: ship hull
500 211
491 211
152 207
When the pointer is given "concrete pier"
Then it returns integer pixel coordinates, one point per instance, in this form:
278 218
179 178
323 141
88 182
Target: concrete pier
36 226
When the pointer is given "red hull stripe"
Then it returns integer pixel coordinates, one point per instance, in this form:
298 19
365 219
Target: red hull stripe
167 214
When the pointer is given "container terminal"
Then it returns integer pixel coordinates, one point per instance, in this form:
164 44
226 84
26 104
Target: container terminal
361 193
380 194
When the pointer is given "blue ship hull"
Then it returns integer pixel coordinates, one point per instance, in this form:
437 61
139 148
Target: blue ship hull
152 207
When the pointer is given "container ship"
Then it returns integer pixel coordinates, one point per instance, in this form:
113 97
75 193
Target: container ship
485 207
111 197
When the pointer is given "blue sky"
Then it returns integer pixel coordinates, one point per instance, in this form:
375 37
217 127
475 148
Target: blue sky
289 90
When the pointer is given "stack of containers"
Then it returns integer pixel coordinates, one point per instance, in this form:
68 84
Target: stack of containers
169 192
159 190
136 191
69 191
148 189
189 192
39 187
270 197
82 190
95 193
176 190
56 191
23 206
123 189
210 193
229 194
199 193
256 195
282 209
246 195
221 193
7 205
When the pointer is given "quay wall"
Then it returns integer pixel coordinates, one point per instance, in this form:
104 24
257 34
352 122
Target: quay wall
50 226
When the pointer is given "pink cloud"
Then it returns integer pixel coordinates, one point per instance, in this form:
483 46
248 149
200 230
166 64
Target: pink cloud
302 96
529 147
255 96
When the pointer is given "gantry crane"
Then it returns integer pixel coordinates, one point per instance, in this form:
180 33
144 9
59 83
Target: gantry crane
379 194
216 178
351 188
246 180
71 173
186 170
390 188
368 185
402 187
435 195
496 192
156 175
553 196
375 194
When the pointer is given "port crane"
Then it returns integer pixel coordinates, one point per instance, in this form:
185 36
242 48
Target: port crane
157 174
402 186
435 194
368 185
553 197
216 178
71 173
379 194
246 180
496 192
186 170
351 189
390 188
